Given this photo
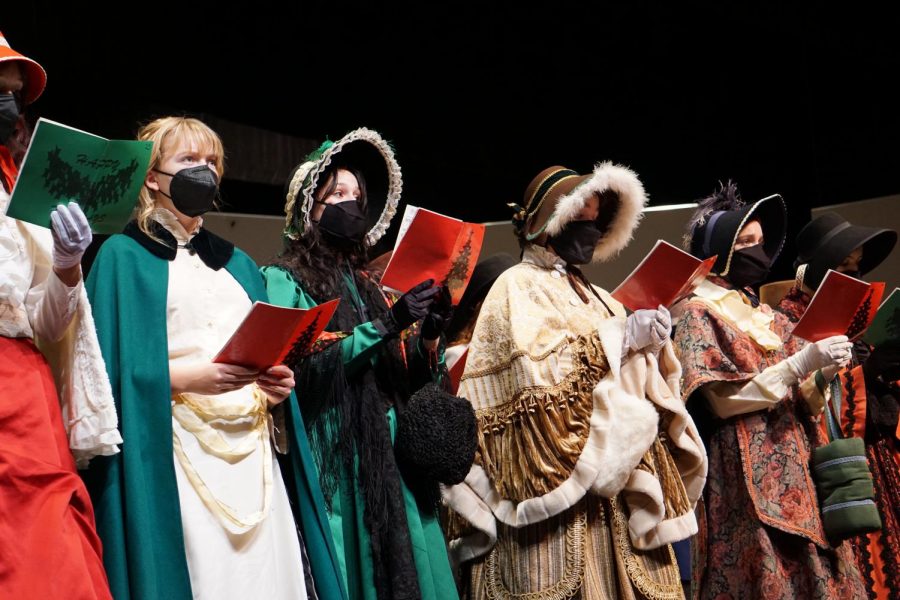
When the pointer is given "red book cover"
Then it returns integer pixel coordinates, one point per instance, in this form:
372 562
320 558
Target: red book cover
841 306
457 369
431 245
666 275
269 333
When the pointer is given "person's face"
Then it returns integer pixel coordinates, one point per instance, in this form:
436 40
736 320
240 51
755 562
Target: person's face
346 189
590 211
178 155
750 235
11 80
851 263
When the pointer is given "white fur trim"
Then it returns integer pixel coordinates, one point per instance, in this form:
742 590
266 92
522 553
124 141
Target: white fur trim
632 198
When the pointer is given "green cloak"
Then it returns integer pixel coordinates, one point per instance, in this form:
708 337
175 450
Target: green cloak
134 492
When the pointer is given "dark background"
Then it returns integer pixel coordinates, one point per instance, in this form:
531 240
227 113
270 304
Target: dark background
477 99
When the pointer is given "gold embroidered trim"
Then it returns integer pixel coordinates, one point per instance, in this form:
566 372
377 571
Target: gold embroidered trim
530 445
652 590
499 368
566 587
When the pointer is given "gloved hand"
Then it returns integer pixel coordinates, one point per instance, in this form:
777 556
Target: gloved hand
883 362
438 315
829 354
71 235
645 328
413 305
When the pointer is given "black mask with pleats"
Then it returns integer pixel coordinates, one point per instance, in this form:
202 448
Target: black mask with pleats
749 266
576 242
193 190
9 114
344 222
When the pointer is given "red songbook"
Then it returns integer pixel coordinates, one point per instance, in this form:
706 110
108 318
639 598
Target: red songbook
431 245
841 306
666 275
269 333
457 369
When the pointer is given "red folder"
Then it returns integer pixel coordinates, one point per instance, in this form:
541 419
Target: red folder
457 370
431 245
666 275
269 333
841 306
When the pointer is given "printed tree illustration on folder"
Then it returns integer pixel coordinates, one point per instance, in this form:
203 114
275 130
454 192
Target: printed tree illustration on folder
433 246
864 314
841 305
461 267
64 181
273 335
885 327
893 325
304 343
64 164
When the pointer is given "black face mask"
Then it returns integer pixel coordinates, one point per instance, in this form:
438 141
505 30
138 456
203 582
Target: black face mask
854 274
193 190
576 242
749 266
344 222
9 115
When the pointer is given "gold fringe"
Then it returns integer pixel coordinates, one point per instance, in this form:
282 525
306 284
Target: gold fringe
658 462
529 445
455 525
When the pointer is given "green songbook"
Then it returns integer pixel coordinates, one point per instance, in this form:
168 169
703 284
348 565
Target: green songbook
885 326
64 164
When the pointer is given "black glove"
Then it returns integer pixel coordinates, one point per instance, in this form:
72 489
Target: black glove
438 315
884 362
413 305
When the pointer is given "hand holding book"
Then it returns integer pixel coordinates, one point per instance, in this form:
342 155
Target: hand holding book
271 335
841 306
432 245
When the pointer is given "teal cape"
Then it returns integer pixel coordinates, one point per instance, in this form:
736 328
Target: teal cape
134 493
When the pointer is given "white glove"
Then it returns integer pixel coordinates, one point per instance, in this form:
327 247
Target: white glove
645 328
71 235
831 354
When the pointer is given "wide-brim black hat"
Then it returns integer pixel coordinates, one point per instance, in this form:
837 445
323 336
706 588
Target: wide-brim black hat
718 234
827 240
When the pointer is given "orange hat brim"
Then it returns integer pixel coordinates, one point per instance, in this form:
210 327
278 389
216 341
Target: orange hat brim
35 76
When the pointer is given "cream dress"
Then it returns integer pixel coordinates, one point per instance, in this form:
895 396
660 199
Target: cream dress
241 541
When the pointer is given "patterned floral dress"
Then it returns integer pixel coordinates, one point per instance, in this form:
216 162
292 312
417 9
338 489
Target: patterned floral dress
761 534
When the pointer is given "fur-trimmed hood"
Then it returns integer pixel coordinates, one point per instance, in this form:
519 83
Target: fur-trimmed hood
557 194
364 149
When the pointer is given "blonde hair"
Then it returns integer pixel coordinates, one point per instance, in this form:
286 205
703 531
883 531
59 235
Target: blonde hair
166 133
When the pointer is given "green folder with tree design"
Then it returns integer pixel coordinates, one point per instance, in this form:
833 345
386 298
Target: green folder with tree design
885 326
64 164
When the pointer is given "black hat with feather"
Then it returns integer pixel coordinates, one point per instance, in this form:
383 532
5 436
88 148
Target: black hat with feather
719 218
